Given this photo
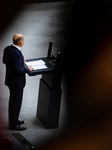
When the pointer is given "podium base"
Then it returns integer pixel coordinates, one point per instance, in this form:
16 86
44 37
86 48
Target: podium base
48 105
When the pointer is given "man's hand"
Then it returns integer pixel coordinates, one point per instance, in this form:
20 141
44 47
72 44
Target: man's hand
30 68
24 60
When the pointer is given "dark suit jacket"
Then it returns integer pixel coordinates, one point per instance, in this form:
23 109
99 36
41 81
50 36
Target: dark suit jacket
15 70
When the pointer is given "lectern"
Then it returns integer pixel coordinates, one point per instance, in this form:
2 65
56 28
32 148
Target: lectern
49 97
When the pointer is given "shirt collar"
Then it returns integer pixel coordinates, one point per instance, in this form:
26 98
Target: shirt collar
17 47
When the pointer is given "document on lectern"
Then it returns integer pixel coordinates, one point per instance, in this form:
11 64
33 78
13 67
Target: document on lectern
37 64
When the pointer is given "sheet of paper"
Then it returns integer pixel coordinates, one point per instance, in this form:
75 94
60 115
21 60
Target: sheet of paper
38 64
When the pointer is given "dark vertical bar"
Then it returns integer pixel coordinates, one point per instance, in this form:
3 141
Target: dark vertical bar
58 59
49 50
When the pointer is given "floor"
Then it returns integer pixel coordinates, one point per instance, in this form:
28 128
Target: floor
40 23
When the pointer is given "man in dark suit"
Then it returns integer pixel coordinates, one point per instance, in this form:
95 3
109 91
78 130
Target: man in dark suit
15 79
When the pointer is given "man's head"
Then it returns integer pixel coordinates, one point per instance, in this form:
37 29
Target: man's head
18 39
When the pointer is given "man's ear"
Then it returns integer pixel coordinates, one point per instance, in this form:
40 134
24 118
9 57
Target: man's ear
20 43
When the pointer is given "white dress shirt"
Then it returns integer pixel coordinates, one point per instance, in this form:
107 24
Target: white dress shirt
17 47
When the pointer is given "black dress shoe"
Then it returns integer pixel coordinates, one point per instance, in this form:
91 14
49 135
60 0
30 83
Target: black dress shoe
20 122
18 127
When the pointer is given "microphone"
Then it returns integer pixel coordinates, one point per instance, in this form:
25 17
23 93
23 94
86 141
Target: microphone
49 50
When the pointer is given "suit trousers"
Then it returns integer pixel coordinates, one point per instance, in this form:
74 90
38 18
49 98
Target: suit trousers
15 101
